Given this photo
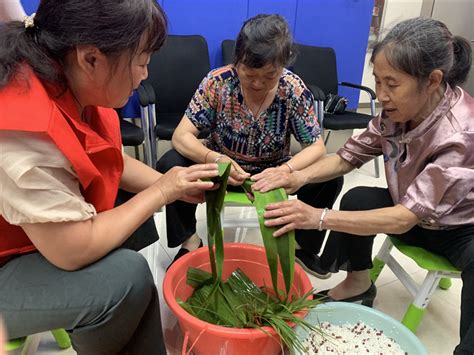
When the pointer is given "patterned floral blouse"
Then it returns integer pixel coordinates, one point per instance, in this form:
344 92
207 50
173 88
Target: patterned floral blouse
255 143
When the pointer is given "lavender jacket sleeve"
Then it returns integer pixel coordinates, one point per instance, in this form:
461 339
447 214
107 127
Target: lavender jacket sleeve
429 169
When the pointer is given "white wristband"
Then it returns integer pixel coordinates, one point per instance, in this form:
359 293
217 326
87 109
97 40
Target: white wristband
321 219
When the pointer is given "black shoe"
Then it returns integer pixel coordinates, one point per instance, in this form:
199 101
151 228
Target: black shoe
310 264
365 298
180 253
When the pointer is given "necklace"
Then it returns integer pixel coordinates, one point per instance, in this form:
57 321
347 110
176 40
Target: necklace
259 107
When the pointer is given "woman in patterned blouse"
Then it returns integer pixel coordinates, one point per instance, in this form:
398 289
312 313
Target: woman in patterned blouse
251 108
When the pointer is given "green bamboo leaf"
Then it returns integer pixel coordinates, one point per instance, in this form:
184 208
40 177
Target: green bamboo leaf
196 277
214 203
279 250
236 304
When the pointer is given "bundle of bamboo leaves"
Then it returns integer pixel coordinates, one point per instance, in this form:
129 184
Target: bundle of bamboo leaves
238 302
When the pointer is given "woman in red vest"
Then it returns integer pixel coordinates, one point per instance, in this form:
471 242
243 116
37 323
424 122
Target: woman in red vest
62 72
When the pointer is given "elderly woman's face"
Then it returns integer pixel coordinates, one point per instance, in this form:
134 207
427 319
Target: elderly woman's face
402 96
258 80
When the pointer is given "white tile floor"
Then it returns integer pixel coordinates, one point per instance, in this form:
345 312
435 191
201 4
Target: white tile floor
438 331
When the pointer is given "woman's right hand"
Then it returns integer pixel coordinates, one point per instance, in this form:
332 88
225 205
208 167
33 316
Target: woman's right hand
237 175
186 184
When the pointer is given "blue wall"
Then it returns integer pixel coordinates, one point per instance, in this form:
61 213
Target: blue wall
341 24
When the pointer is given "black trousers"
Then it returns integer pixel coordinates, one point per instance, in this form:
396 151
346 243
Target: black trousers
181 216
348 252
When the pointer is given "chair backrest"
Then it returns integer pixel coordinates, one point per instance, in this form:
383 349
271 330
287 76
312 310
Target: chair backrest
132 135
317 66
175 72
228 48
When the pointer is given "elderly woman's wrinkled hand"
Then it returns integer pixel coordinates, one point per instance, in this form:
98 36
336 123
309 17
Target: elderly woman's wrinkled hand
290 215
237 175
274 178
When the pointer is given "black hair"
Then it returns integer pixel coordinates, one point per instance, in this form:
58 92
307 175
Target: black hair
420 45
115 27
264 39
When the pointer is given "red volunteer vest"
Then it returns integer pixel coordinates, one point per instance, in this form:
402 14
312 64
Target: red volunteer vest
94 150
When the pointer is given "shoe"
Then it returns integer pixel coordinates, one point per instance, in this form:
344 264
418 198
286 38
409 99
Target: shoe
180 253
310 263
365 298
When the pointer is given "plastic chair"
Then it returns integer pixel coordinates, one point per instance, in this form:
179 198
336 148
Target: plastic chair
228 48
439 272
29 344
132 135
317 67
175 72
244 221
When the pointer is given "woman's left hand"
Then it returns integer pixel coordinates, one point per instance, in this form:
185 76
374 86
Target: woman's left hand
291 215
274 178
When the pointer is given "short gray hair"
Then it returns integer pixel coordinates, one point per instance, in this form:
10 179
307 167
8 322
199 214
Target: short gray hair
420 45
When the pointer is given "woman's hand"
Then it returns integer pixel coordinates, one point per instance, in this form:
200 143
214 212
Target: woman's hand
274 178
185 184
237 175
291 215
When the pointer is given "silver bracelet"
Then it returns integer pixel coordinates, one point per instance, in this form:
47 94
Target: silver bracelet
321 219
289 167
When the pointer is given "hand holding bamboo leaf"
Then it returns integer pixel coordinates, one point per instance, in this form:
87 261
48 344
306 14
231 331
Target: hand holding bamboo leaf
187 184
291 215
237 175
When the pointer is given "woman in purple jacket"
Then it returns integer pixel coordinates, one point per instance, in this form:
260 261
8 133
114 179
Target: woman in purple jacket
426 136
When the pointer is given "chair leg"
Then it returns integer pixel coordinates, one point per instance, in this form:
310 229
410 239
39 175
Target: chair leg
31 344
445 283
416 310
377 167
413 317
62 338
376 269
327 137
379 261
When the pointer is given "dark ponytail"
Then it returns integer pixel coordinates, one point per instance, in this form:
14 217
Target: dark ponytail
462 61
115 27
19 45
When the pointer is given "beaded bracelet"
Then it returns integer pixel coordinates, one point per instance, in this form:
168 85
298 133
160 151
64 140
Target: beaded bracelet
321 219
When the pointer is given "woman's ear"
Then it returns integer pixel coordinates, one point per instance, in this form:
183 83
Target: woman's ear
91 60
435 80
